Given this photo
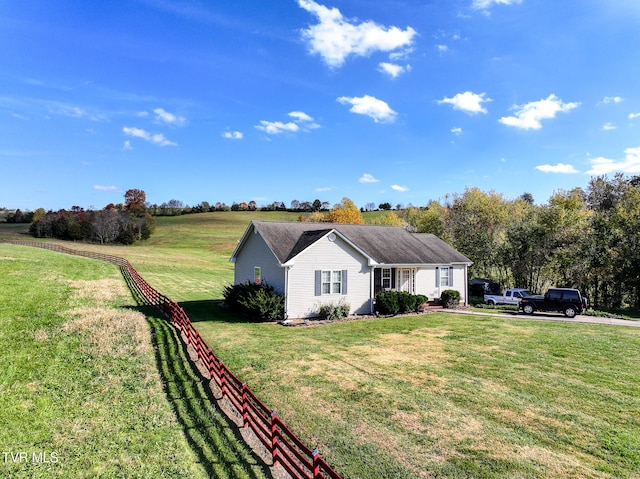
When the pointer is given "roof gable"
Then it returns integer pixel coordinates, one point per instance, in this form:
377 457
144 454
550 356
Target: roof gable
391 245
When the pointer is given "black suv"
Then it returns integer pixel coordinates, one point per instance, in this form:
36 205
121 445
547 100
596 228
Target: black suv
562 300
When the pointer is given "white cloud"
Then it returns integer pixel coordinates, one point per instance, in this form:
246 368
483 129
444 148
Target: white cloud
399 188
603 166
301 121
468 102
105 188
609 126
442 48
233 135
485 4
367 105
155 138
300 116
163 116
400 55
127 146
393 69
304 120
335 38
368 178
322 189
58 108
277 127
559 168
528 116
612 99
633 116
456 131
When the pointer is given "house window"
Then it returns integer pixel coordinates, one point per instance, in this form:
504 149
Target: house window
386 278
257 274
445 278
332 282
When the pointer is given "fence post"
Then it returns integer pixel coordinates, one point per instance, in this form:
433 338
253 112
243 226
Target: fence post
210 363
245 412
223 383
316 463
274 438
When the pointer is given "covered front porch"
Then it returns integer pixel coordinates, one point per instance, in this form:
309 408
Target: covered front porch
398 279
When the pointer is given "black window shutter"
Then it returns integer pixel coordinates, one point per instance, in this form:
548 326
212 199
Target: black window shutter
377 277
318 282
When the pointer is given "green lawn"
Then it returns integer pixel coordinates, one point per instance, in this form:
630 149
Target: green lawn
90 387
445 395
439 395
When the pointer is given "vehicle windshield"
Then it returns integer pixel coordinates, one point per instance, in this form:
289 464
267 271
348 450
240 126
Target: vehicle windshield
525 293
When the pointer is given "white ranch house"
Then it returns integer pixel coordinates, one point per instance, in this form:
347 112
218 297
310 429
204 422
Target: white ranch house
326 263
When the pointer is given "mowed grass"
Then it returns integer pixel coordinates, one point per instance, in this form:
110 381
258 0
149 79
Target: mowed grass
445 395
90 387
439 395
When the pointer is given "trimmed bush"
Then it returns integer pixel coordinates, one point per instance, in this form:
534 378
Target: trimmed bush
387 302
334 312
406 302
450 298
257 302
394 302
421 300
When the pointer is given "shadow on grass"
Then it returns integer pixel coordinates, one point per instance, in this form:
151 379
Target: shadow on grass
214 438
210 310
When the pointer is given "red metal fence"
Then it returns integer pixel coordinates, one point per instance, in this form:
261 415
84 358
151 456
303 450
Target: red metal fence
286 449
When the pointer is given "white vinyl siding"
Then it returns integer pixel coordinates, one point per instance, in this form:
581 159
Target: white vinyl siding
256 252
428 281
305 279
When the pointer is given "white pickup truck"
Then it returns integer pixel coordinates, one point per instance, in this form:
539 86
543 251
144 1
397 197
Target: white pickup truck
510 296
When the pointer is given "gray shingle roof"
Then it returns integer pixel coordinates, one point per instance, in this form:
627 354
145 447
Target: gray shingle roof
383 244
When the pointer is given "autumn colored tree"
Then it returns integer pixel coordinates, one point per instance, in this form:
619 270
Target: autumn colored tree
135 200
345 212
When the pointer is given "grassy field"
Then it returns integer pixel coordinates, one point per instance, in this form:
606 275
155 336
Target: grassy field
439 395
87 391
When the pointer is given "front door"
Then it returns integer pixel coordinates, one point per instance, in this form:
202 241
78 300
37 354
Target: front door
405 280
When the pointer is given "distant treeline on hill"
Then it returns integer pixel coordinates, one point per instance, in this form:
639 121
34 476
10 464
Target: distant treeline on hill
103 226
124 223
176 207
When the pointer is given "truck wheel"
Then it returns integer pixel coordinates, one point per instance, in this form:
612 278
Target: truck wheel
570 311
491 302
527 309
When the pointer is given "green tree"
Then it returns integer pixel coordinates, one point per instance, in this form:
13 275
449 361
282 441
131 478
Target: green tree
626 218
477 221
564 220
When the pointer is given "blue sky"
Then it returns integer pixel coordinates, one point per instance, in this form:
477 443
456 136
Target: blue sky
387 101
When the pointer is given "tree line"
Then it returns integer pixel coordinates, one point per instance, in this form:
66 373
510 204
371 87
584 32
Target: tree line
123 223
584 238
176 207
